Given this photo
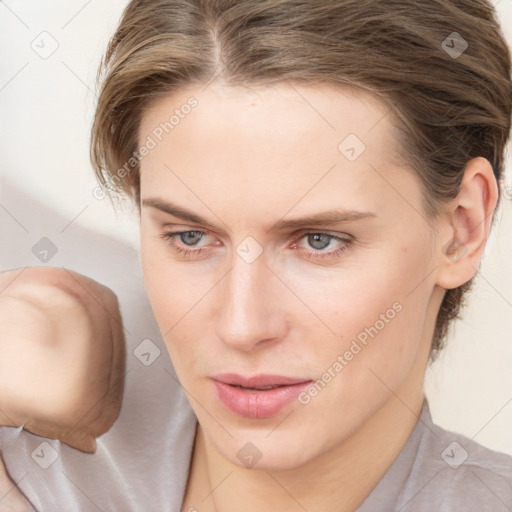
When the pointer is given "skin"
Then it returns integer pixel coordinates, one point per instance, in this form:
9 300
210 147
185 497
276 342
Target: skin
64 332
243 160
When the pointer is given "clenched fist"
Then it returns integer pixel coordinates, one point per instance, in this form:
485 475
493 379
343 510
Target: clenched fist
62 355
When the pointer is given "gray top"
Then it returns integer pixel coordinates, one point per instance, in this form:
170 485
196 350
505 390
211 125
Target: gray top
436 470
443 472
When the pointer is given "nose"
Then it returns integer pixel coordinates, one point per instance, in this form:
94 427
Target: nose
250 312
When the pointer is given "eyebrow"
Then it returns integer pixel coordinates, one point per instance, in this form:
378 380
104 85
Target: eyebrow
334 216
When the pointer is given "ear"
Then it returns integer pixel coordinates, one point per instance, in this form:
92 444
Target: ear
466 224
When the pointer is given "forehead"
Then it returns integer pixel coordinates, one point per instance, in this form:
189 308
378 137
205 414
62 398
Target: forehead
282 110
276 144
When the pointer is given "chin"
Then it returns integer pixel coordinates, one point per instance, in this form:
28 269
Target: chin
260 451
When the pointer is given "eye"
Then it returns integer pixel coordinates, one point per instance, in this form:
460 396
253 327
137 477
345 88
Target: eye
186 239
190 237
321 241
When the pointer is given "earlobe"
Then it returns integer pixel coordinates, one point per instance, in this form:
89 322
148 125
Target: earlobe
467 224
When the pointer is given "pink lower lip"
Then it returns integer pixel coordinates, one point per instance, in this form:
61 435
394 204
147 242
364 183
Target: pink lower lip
257 404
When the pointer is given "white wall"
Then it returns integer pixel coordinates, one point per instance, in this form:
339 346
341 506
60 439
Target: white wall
45 110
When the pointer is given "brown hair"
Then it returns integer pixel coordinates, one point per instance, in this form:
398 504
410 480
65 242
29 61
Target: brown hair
443 67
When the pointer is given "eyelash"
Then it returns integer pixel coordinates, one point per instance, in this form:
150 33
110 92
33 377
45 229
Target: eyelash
170 237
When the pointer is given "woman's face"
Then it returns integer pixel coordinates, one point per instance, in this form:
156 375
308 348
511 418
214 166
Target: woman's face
305 261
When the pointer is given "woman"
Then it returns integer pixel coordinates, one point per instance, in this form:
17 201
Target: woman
316 183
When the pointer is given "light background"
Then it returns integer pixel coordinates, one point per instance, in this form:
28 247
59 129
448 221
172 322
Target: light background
46 107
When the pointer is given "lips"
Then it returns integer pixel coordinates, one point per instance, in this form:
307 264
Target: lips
260 396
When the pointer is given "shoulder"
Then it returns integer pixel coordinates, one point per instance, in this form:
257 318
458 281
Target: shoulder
452 472
443 471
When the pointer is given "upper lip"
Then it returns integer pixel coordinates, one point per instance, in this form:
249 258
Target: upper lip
257 380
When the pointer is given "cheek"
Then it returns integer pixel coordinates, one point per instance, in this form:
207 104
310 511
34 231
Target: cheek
171 289
177 296
371 313
378 343
355 296
165 290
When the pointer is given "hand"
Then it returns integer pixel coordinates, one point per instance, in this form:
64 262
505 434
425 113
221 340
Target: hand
11 499
63 355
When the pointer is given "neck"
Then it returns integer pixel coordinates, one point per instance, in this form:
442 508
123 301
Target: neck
338 480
